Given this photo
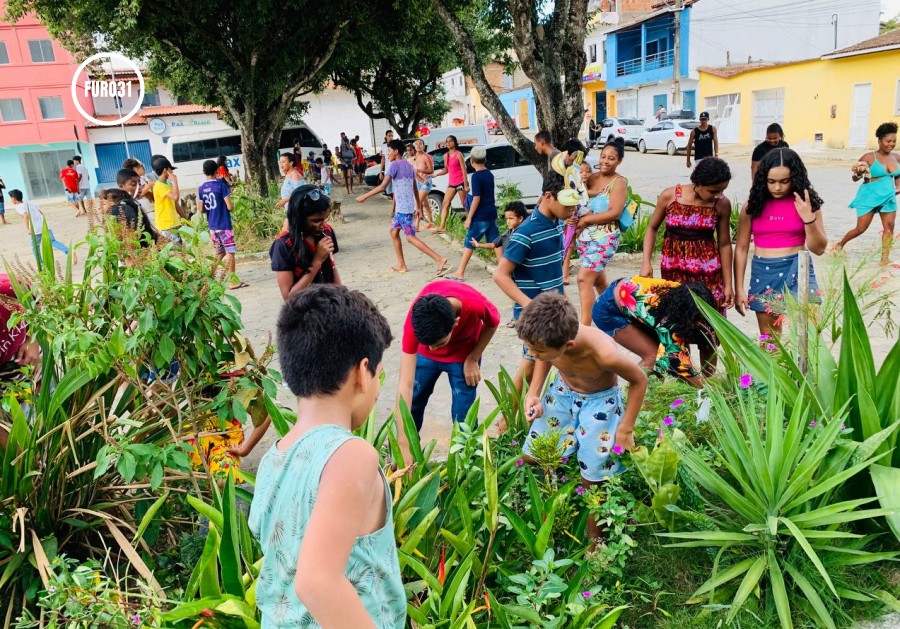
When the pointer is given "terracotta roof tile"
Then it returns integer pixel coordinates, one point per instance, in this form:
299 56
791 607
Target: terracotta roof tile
727 72
145 113
891 39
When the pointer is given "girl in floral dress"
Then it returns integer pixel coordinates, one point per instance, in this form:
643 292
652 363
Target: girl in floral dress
697 241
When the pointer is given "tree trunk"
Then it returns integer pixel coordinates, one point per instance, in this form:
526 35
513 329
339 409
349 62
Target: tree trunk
254 162
551 55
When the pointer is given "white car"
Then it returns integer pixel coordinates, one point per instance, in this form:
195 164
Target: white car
507 166
629 129
670 136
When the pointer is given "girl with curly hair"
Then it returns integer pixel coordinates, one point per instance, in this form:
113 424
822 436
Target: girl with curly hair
880 172
697 242
782 217
642 313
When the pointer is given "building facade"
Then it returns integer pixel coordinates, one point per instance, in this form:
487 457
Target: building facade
40 127
654 60
836 101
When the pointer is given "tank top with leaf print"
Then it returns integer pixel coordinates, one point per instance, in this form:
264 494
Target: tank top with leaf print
287 485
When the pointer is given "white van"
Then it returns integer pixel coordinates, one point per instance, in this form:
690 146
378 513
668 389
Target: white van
188 152
469 134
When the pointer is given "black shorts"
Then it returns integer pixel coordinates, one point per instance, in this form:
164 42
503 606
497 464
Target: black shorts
360 168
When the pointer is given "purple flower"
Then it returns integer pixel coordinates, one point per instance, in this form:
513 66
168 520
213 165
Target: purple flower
51 589
764 337
677 403
843 427
746 381
586 594
812 424
136 619
520 462
580 490
617 449
771 347
514 442
564 479
668 421
565 459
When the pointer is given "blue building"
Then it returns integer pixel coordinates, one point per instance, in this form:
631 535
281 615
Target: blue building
641 66
519 104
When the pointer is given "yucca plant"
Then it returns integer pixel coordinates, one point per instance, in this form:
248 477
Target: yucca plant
779 528
869 398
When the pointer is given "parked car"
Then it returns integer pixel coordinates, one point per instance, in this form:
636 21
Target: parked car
679 114
670 136
629 129
507 166
493 127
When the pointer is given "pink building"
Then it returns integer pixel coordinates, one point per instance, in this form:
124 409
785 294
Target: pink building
40 128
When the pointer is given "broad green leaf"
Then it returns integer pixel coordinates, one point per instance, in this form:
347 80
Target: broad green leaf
200 572
229 549
887 486
209 512
747 586
779 592
731 573
812 596
148 518
808 549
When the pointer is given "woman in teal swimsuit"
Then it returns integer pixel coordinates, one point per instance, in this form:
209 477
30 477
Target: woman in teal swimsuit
880 171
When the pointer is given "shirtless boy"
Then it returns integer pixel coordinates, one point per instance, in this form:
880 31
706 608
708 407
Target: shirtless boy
584 403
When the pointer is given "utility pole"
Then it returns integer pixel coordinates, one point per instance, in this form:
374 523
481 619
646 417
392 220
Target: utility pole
676 53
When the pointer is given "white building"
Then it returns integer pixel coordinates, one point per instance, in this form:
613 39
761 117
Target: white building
457 94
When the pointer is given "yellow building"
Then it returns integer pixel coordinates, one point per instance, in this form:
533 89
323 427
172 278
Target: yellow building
837 100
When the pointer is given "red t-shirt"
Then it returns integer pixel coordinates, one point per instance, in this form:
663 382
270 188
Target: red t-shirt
70 179
476 314
10 340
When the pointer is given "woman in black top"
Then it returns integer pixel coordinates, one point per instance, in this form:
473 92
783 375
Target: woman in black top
774 140
303 254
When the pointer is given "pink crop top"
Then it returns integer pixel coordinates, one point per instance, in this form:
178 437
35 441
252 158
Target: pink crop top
778 226
454 170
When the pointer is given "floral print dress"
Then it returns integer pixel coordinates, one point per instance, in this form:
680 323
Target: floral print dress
689 249
638 295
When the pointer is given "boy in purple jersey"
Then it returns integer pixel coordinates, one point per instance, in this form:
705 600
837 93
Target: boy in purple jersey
214 199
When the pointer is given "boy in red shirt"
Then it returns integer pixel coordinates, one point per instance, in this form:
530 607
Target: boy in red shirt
70 178
447 330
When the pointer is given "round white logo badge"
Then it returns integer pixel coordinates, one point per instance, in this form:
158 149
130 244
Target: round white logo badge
108 88
157 125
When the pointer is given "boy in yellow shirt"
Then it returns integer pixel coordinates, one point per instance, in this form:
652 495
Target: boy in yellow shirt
165 194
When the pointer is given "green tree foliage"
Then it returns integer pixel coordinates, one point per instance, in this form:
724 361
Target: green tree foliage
250 57
548 42
396 74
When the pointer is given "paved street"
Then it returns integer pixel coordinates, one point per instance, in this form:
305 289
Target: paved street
366 255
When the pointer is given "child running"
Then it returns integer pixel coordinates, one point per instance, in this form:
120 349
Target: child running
402 177
584 403
215 202
322 508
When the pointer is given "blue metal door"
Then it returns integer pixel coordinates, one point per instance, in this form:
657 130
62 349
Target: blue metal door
689 100
660 100
111 156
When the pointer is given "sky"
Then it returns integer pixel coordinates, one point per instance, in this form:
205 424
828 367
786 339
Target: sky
890 8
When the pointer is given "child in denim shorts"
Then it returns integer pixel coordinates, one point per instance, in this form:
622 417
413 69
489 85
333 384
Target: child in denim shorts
584 403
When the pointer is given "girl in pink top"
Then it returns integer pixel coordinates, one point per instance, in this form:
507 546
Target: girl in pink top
455 167
783 218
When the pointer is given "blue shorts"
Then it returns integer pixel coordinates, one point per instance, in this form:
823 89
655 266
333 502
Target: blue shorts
426 186
327 188
2 209
606 314
586 423
405 223
481 229
73 197
771 278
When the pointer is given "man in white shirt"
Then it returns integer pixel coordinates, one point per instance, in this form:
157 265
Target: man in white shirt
84 182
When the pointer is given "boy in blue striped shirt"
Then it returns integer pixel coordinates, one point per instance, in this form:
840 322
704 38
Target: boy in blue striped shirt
532 262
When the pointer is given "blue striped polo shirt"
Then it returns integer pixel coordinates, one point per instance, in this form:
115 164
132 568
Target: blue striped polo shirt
536 250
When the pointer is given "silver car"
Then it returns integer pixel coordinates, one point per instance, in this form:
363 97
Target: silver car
629 129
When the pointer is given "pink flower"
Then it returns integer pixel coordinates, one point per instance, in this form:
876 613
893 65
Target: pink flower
580 490
627 291
677 403
668 421
520 462
746 381
586 594
812 424
764 337
771 347
565 459
617 449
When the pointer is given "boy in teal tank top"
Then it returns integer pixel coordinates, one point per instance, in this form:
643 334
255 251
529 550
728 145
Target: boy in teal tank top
322 507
